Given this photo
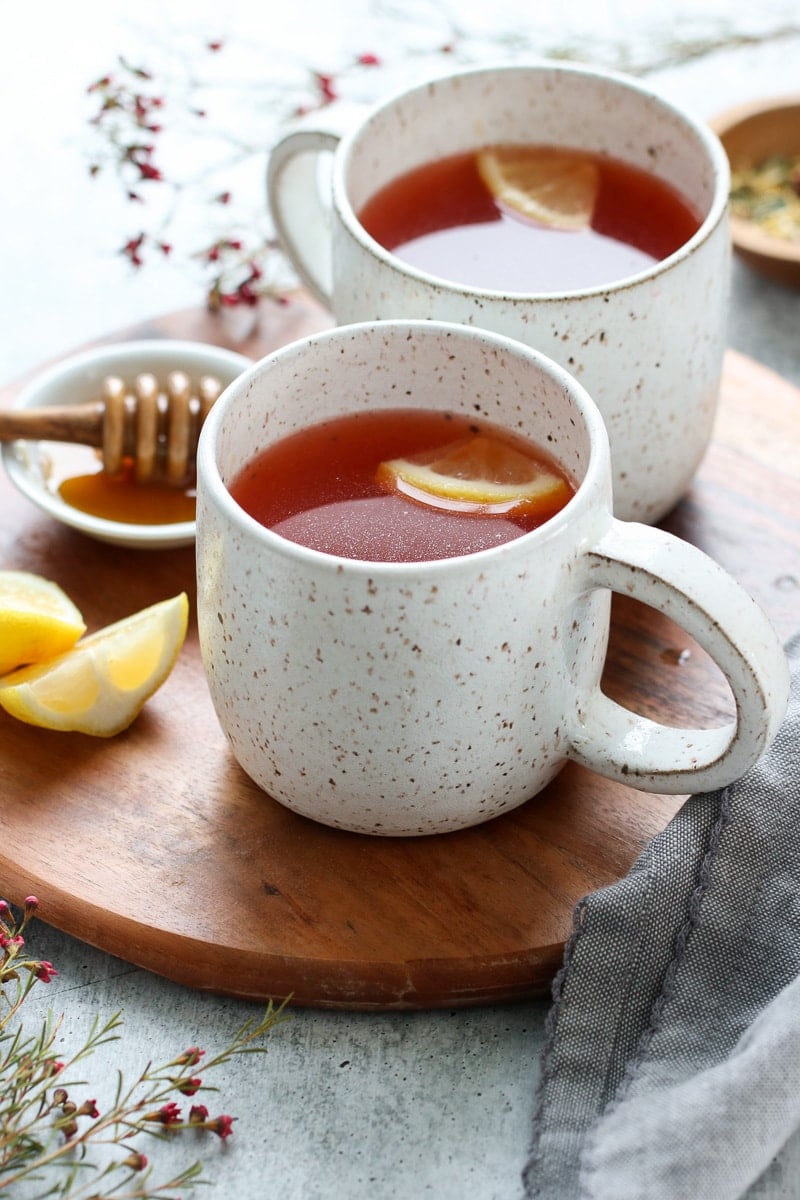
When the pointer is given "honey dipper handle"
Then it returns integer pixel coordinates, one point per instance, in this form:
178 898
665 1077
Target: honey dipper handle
80 423
157 430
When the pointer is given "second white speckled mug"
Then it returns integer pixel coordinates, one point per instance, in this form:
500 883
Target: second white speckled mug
648 348
416 698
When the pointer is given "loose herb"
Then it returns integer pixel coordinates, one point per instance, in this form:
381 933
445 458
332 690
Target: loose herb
768 194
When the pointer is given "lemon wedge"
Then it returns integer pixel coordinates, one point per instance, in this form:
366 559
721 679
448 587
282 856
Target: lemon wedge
102 683
549 186
477 474
37 620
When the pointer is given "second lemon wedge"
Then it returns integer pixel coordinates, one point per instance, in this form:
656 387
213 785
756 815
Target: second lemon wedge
37 620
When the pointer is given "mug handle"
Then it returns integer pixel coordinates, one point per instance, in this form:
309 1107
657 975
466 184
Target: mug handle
680 581
299 201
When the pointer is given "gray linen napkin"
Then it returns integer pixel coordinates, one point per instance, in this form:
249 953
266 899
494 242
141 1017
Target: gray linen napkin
672 1067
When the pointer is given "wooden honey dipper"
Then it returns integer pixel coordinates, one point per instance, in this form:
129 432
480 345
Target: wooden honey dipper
158 429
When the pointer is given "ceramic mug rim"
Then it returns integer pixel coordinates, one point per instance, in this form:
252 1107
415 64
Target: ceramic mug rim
703 134
217 494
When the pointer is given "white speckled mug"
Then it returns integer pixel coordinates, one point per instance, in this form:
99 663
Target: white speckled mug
648 348
415 698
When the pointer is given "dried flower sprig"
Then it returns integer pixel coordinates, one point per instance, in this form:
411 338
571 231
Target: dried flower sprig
145 121
51 1133
135 115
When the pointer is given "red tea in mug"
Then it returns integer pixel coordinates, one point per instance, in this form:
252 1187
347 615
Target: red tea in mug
452 219
402 485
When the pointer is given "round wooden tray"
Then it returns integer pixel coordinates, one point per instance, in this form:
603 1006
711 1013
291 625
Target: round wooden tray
156 847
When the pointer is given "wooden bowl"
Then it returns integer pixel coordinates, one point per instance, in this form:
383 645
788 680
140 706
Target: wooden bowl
750 133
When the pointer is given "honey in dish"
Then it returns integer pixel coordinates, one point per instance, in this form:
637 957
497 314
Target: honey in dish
75 474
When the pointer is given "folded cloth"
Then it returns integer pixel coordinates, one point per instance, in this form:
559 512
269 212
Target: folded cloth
672 1064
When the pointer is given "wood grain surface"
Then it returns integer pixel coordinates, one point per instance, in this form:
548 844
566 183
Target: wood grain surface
156 847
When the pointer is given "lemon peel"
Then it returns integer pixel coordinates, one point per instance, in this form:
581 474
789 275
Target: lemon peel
101 684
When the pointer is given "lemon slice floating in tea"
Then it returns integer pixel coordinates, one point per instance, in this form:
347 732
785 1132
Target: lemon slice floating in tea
101 684
37 620
478 474
556 189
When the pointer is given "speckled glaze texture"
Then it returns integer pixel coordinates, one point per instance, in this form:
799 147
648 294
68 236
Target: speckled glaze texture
648 349
408 699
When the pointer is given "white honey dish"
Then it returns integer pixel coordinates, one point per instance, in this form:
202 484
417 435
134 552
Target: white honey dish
78 380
